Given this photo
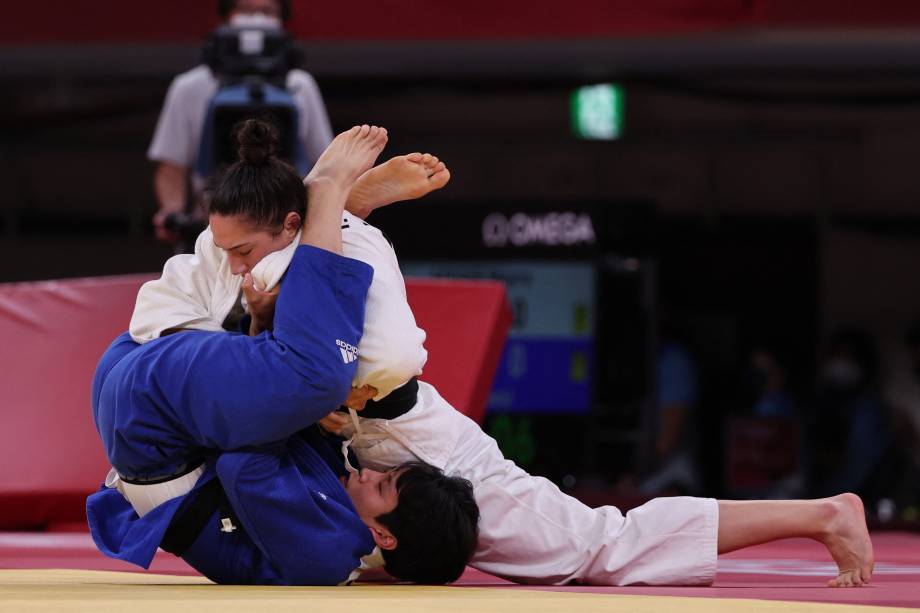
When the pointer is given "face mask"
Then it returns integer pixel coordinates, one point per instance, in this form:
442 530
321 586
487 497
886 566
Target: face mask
841 373
255 20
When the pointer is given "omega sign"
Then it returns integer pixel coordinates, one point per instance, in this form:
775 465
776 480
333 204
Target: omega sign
525 229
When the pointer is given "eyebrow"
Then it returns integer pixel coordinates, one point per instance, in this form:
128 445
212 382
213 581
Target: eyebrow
230 248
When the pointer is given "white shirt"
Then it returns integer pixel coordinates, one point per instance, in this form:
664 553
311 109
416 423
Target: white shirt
197 291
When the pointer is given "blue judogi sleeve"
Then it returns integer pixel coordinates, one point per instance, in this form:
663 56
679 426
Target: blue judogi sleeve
227 391
239 391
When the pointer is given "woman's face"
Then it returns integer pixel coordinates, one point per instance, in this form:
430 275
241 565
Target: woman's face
246 243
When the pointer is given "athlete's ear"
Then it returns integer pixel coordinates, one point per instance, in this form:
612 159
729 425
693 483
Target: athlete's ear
292 223
384 538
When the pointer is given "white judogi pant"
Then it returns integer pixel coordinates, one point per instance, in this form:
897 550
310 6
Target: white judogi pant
529 531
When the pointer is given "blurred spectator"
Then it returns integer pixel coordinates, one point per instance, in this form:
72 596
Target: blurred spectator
178 132
767 381
676 439
764 446
907 403
850 432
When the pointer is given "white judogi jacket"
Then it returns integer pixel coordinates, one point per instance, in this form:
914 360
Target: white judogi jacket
197 291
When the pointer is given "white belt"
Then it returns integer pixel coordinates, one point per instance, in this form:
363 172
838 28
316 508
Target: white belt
145 498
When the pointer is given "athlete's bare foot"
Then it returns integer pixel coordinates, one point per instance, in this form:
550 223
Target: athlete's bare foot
404 177
847 540
349 155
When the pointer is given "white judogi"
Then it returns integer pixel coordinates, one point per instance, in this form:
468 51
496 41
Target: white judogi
529 530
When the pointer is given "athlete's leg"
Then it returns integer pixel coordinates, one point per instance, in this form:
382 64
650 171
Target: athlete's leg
348 157
405 177
532 532
839 523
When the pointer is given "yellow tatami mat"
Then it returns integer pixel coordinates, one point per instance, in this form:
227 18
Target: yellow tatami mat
100 591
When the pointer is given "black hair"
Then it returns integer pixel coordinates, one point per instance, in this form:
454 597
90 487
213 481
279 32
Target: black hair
259 186
225 7
436 524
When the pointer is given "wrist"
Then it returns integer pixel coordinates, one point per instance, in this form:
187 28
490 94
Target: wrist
330 182
257 326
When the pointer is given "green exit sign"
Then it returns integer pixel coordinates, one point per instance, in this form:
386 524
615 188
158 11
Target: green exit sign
597 112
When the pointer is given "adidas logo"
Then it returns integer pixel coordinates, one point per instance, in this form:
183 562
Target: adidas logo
349 352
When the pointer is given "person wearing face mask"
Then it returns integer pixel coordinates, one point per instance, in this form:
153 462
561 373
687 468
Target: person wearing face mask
177 137
852 427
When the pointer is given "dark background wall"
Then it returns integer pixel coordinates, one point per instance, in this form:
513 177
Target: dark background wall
72 150
56 21
773 144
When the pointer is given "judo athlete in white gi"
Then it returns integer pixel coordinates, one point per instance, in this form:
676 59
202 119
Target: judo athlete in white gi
529 530
209 436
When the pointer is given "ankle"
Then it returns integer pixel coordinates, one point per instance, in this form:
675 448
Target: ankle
828 514
360 198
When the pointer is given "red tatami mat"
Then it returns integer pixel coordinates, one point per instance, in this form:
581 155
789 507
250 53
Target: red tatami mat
73 550
793 570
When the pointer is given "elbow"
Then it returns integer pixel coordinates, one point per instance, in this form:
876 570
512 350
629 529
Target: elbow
407 362
407 367
400 354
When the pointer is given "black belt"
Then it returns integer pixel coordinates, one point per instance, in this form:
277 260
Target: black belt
188 523
398 402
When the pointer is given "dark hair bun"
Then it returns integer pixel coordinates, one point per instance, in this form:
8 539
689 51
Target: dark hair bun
257 141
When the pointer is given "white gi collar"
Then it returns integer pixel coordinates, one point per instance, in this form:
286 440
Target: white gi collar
372 560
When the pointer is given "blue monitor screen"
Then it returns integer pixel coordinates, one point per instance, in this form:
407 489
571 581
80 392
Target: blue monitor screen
547 362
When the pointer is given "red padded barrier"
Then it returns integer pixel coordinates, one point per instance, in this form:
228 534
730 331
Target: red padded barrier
55 331
467 323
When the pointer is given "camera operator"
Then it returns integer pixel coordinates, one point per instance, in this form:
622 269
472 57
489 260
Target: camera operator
177 138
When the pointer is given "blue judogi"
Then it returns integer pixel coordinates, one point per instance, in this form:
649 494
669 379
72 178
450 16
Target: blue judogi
243 405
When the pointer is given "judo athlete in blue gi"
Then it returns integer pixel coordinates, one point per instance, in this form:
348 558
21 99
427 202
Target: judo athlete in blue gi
215 456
